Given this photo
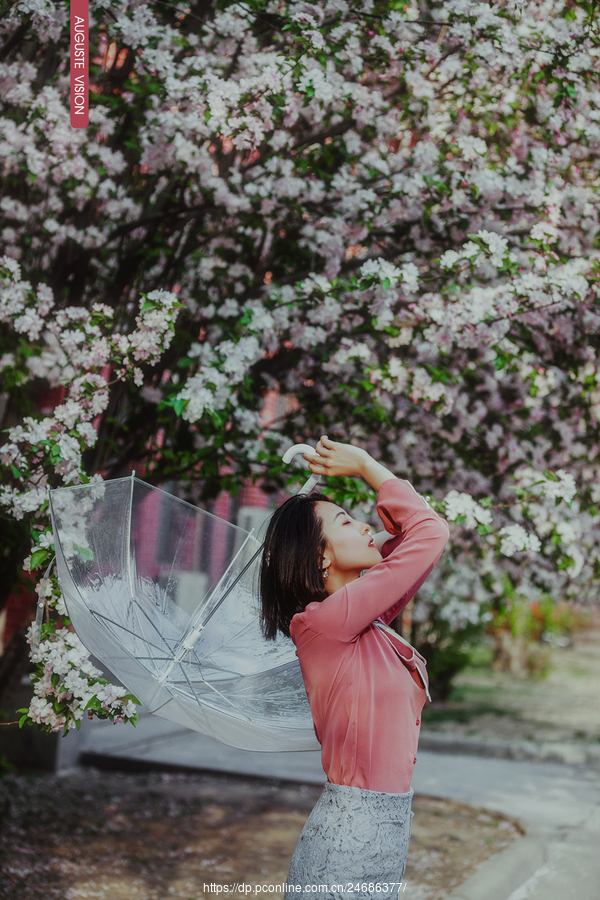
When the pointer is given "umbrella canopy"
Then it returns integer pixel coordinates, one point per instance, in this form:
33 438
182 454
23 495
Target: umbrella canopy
165 595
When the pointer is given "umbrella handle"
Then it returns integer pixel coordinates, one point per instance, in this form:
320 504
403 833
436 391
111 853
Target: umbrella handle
293 451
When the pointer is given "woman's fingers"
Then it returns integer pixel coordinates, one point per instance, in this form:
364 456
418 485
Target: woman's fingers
322 460
325 447
331 458
314 460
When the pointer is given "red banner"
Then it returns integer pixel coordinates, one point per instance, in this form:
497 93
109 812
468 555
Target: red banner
80 26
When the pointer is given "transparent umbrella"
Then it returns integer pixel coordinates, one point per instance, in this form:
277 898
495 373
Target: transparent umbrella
165 595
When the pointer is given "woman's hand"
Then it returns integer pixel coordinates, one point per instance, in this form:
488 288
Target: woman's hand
332 458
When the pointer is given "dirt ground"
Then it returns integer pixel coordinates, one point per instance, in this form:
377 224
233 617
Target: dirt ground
563 706
154 836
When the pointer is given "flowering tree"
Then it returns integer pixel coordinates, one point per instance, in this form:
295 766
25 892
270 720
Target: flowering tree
75 348
385 211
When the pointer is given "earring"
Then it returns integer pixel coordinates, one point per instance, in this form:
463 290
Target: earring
325 574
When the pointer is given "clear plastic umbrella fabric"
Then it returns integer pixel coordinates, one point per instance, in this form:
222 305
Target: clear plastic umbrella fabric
165 595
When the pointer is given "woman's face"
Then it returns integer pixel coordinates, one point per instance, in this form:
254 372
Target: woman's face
350 548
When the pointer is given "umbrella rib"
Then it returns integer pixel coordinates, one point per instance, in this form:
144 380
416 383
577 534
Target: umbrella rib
213 688
216 668
181 533
157 710
201 664
206 659
137 622
154 658
231 587
144 613
226 699
130 526
198 663
129 631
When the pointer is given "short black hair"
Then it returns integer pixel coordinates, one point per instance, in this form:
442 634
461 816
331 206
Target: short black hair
291 574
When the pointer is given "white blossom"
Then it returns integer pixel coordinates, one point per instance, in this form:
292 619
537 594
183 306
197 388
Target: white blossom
498 246
460 504
516 539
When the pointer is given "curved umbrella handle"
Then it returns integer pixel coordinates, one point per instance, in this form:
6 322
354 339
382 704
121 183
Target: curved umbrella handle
293 451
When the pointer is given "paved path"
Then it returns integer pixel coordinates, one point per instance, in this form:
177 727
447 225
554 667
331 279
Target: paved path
559 805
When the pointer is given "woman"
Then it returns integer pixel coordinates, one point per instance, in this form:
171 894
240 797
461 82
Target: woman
366 686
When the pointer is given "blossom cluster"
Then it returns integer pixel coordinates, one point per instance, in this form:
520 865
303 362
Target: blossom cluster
459 506
66 684
74 350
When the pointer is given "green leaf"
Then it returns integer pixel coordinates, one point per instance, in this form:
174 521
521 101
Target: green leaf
173 402
23 719
386 283
216 418
38 557
83 553
550 475
133 699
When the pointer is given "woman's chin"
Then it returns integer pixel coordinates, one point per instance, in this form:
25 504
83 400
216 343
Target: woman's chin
376 558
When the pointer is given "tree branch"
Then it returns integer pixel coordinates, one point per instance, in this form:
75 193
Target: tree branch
15 37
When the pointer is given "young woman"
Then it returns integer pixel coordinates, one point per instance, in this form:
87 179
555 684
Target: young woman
366 686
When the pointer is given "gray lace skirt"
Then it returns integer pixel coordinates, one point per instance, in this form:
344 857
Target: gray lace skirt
353 846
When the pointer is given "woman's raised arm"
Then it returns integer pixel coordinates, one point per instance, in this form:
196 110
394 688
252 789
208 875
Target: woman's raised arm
420 537
331 458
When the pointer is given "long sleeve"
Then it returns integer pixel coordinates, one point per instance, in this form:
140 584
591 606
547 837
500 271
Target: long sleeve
384 590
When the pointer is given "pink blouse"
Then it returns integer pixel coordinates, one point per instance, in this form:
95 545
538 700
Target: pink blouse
367 688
